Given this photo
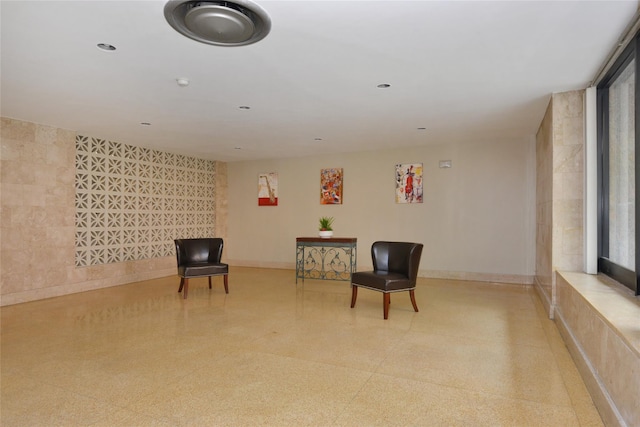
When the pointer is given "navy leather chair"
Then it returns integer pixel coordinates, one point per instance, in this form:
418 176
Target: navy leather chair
395 269
200 258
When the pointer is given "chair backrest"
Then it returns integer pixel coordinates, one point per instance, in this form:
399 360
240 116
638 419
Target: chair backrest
397 257
199 250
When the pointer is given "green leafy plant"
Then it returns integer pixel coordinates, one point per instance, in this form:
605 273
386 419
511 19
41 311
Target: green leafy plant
325 223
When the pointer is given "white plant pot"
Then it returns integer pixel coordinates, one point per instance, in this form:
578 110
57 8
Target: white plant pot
326 234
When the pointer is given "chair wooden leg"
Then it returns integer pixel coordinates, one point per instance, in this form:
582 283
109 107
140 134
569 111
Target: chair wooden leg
186 288
181 284
226 283
354 295
209 282
386 299
413 299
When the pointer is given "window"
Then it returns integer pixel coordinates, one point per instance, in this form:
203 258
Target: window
618 172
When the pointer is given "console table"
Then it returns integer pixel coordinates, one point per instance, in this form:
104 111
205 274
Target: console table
332 258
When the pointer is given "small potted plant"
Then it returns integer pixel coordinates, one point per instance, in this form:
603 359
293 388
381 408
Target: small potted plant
325 226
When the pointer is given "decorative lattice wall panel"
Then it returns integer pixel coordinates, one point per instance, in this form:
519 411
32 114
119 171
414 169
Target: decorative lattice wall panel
131 202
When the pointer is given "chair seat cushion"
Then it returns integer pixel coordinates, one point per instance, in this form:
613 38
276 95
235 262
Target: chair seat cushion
384 281
202 269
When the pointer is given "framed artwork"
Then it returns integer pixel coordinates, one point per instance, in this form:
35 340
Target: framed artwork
409 183
331 186
268 189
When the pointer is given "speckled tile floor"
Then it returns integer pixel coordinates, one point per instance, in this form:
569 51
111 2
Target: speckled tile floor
273 353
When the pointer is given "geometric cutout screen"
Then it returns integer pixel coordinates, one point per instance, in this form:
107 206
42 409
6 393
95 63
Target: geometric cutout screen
132 202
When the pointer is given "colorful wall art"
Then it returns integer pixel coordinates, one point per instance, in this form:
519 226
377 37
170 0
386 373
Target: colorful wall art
268 189
409 183
331 186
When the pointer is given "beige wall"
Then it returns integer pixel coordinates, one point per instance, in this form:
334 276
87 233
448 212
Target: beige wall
37 201
568 180
598 320
544 206
221 202
559 191
588 309
476 221
37 220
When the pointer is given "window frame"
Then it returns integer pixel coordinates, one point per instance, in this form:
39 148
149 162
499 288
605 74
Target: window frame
629 278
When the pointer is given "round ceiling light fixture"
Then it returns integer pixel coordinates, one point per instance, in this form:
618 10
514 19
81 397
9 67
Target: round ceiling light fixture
221 23
106 47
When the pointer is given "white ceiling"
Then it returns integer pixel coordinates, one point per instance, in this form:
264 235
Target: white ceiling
465 71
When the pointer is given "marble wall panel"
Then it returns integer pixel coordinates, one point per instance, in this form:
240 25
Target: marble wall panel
559 190
544 205
568 187
37 200
599 324
222 209
44 196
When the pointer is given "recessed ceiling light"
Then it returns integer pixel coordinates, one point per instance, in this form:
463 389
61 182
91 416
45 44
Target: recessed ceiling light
106 47
384 85
145 124
422 128
244 107
317 139
182 81
237 148
221 23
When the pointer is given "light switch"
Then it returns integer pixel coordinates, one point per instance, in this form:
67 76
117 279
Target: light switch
445 163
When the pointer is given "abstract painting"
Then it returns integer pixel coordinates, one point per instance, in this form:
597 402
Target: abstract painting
268 189
331 186
409 183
